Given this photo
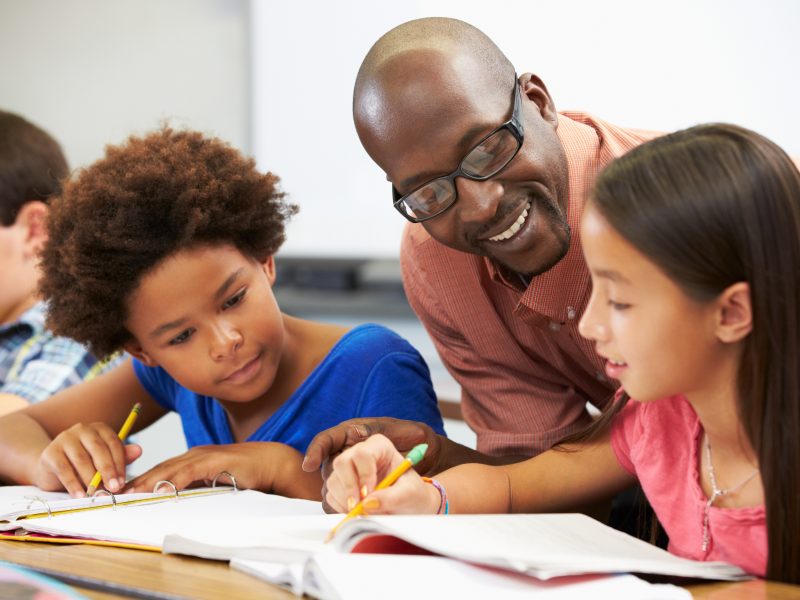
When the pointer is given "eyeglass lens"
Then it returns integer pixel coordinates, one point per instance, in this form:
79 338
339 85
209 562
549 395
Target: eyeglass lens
484 160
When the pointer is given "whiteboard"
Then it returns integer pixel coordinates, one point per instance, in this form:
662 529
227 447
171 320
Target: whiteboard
656 65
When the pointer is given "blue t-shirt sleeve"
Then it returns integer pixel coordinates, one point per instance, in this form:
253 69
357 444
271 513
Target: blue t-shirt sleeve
399 385
158 384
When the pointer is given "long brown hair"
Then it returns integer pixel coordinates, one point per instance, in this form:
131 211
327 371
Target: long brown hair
711 206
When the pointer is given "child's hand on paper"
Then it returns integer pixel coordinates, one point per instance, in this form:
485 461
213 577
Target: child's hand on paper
70 461
266 466
360 468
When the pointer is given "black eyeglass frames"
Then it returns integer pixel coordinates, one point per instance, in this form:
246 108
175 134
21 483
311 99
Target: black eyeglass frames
485 160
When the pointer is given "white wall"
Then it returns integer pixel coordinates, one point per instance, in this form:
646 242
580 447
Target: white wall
93 71
651 64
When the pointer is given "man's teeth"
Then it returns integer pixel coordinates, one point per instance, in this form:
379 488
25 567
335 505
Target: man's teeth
515 226
616 363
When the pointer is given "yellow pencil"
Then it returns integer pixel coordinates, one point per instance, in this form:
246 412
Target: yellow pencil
411 459
123 433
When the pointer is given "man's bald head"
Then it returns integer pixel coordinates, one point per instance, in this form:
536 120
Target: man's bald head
435 92
420 64
448 37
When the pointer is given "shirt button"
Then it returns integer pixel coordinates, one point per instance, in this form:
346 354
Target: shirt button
555 326
571 313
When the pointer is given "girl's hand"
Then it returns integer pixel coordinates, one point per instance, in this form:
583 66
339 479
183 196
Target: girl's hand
70 461
359 469
265 466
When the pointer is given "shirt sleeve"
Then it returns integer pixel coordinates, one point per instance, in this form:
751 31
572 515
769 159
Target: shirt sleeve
512 411
54 364
399 386
158 384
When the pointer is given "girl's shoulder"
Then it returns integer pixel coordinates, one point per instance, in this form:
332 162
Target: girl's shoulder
666 413
373 340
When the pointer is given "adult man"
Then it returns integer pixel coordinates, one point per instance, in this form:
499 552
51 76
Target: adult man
33 362
494 268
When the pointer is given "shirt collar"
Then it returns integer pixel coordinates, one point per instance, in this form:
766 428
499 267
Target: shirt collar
548 294
33 318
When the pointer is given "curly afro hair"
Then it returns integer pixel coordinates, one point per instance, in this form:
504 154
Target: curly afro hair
148 199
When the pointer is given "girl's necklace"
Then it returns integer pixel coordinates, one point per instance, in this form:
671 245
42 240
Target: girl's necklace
716 492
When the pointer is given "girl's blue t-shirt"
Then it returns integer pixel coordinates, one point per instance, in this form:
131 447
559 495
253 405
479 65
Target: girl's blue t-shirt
370 372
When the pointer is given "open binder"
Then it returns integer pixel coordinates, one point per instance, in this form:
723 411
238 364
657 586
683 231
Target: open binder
138 521
20 503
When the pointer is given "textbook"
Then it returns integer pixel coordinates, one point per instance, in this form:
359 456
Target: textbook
541 545
138 521
334 576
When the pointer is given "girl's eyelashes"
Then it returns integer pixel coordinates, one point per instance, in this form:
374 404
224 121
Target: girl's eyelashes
182 337
234 300
618 305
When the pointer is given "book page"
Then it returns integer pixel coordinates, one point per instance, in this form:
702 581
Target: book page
370 576
545 545
18 501
284 540
225 514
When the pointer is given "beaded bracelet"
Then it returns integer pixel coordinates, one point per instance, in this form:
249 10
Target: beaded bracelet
444 505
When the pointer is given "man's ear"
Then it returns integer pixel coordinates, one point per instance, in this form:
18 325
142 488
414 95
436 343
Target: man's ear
534 89
134 349
269 268
32 217
735 319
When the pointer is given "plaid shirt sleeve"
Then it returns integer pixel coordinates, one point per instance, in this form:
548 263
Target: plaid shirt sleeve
52 364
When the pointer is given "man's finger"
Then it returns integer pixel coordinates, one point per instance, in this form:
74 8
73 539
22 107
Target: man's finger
332 441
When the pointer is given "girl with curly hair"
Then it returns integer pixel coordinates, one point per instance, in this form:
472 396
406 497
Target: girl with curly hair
164 248
693 245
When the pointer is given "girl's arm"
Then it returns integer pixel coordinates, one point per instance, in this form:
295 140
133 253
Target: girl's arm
557 480
561 480
266 466
61 442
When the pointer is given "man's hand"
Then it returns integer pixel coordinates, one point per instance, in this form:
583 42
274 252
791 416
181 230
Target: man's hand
403 434
328 444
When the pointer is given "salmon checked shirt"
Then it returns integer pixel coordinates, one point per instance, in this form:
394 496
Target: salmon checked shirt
525 372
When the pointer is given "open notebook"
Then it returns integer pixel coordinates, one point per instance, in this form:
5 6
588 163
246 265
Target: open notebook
544 546
134 520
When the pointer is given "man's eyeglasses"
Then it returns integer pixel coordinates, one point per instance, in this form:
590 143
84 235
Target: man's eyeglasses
486 159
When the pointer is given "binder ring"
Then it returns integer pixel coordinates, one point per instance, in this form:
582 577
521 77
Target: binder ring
229 475
113 497
35 499
165 482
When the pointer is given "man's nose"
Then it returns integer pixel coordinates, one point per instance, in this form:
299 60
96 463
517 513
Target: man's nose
478 201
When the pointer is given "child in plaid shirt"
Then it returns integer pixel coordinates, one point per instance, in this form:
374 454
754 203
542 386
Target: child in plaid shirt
34 363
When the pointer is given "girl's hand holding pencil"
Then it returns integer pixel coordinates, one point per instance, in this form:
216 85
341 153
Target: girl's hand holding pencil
76 454
358 471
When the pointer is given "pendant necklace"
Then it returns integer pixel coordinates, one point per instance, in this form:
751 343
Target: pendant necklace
716 492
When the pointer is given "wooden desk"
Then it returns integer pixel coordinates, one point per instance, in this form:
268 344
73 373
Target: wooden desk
176 576
170 576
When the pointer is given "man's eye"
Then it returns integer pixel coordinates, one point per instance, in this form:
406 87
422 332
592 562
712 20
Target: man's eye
181 337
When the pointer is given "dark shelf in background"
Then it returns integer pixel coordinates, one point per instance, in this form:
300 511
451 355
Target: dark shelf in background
362 288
